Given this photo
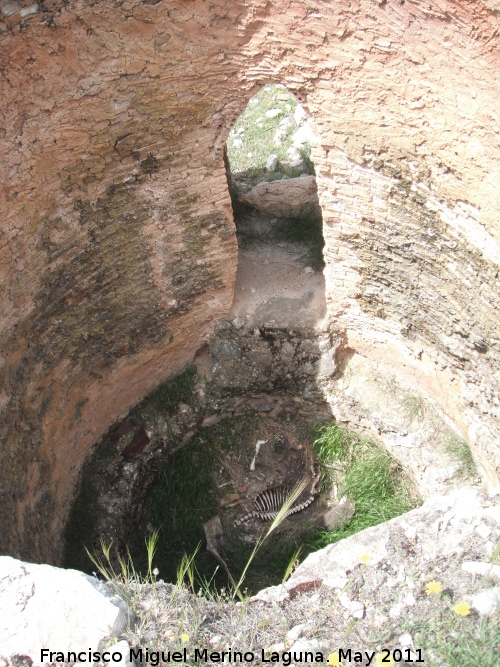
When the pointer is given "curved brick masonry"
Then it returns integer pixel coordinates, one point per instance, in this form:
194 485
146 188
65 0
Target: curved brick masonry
117 240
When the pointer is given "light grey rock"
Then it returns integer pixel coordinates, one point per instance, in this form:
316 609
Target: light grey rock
270 595
272 113
486 602
334 560
272 161
355 608
299 114
238 323
283 198
120 648
483 531
9 8
311 645
294 158
339 515
26 11
303 135
46 607
214 533
483 569
276 648
339 582
410 599
406 640
395 612
261 355
215 640
296 632
225 349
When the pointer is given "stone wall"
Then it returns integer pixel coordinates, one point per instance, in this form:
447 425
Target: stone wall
117 238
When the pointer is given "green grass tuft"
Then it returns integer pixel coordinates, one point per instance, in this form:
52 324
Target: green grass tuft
458 642
415 408
460 451
364 473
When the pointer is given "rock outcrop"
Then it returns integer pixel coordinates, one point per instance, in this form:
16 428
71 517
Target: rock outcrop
455 527
44 607
286 198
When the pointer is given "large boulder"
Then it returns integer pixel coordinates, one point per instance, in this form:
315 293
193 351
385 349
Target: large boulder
45 607
286 198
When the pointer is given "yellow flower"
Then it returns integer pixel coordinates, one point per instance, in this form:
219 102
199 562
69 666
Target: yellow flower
462 608
184 638
333 659
365 559
433 587
383 659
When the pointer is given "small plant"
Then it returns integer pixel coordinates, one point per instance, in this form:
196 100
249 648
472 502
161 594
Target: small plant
414 407
126 576
364 473
186 570
460 451
258 134
474 640
294 561
305 153
334 448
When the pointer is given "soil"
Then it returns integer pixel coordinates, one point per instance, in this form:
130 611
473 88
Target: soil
275 279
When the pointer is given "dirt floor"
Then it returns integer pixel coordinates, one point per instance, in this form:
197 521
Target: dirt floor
275 278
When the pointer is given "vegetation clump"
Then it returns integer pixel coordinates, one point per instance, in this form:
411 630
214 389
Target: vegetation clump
459 450
365 473
195 486
266 128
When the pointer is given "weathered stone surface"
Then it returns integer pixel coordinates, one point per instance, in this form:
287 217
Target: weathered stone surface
271 163
483 569
486 602
121 648
117 240
444 527
355 608
45 607
338 515
284 198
